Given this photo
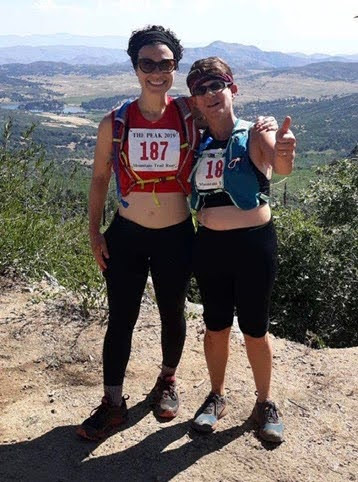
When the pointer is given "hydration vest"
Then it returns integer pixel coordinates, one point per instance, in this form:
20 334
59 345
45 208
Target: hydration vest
235 171
189 138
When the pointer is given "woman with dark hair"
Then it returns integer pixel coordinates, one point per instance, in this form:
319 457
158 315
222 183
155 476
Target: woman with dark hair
149 144
152 229
235 248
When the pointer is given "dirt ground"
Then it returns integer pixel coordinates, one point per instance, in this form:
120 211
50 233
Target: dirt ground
50 379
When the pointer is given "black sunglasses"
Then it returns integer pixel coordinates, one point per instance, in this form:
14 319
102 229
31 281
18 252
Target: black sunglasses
213 87
148 65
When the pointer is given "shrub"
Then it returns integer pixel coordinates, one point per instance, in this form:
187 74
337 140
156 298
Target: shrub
43 225
316 296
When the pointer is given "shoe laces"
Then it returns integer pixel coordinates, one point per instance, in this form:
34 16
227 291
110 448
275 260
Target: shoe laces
167 387
210 404
100 413
270 412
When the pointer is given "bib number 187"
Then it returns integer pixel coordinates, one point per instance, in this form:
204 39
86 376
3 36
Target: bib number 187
153 150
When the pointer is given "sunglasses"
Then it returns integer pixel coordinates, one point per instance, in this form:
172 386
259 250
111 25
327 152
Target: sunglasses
166 65
214 87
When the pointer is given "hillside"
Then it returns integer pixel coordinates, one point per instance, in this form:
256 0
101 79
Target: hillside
324 71
78 54
327 125
51 68
51 379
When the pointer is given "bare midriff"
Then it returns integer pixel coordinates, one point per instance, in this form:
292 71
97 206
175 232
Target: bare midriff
230 217
173 209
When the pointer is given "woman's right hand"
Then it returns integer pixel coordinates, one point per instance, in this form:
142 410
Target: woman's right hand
99 249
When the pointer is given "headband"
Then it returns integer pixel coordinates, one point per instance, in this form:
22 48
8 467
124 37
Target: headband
155 37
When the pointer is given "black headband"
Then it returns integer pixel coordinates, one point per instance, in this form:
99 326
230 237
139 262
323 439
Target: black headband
154 37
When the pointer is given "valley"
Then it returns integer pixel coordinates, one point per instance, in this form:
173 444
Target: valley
321 98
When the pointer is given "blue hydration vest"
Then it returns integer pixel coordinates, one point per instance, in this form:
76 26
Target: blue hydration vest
240 181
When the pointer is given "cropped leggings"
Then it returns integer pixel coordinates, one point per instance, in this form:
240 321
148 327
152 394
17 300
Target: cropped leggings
235 269
133 251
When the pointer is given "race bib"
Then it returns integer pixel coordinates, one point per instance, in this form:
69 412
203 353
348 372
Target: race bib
154 149
209 174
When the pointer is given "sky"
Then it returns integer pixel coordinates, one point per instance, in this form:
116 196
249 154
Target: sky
307 26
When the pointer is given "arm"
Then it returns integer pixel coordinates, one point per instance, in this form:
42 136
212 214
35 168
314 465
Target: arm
274 149
101 175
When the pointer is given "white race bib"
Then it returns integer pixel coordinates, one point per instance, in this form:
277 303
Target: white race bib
209 174
154 149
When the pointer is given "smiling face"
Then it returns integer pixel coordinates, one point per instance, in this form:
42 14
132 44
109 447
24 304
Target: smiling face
218 103
156 82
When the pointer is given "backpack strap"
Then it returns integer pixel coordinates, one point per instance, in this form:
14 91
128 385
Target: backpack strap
188 124
241 133
119 135
191 135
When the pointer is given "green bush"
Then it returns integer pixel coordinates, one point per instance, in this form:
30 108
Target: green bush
43 225
333 197
316 297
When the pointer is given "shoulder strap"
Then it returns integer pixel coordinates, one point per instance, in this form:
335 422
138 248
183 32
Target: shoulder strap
186 117
241 126
119 134
120 116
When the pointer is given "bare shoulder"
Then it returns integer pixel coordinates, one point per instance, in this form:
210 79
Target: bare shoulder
105 126
103 150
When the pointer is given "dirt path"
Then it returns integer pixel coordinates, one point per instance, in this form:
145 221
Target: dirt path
50 379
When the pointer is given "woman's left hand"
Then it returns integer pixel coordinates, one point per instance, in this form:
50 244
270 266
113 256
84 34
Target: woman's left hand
265 123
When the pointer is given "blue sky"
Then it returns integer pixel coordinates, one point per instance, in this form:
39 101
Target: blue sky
289 26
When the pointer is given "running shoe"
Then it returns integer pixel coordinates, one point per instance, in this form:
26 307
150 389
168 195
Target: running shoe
165 397
103 420
207 417
266 415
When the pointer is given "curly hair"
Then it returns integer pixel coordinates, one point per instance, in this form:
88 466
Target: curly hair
152 35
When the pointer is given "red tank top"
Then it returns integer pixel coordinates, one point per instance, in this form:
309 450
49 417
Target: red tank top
152 151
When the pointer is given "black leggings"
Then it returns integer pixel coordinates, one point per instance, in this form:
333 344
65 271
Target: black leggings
236 269
134 250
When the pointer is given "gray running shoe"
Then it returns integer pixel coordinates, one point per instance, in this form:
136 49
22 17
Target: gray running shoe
266 415
207 417
165 397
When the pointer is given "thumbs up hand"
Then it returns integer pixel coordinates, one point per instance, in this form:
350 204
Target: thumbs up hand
285 140
284 148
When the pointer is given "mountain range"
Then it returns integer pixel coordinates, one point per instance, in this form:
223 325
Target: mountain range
77 50
324 71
